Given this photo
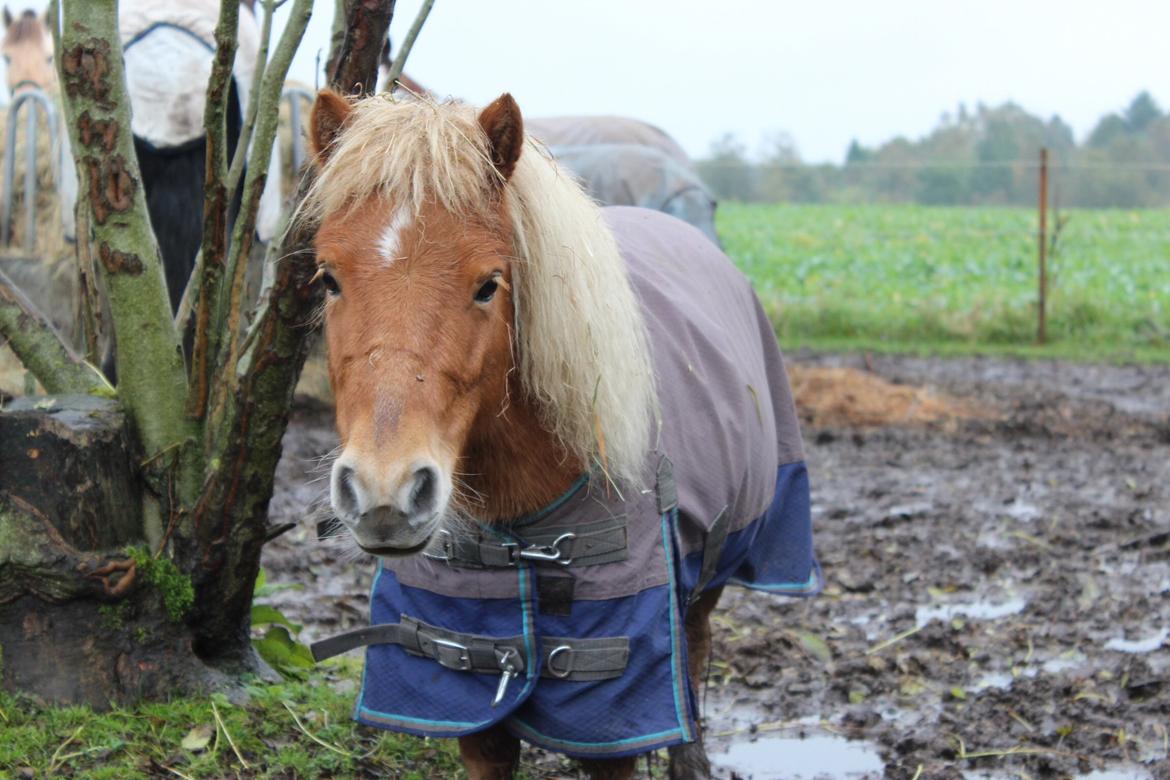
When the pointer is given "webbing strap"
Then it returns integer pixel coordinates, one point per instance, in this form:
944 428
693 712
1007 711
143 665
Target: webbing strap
586 544
712 550
570 658
664 486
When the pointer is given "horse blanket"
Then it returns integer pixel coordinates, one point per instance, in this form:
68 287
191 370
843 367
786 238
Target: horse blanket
632 175
593 130
567 625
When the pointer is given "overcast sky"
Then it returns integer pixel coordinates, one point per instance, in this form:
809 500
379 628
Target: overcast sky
824 71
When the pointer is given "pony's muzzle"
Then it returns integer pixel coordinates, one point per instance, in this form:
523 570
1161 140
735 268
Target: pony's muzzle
389 516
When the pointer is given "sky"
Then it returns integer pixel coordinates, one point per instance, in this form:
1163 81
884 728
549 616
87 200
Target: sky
824 72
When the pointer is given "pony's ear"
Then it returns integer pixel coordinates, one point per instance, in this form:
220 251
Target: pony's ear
7 17
330 111
504 126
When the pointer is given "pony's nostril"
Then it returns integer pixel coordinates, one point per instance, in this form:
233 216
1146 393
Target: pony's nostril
425 490
345 500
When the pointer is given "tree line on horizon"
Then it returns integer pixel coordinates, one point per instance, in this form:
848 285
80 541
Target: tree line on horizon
985 156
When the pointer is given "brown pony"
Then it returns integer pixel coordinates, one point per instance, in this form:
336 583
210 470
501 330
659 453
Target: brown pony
28 47
487 349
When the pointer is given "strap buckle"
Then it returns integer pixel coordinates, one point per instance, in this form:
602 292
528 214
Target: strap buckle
549 553
446 544
452 654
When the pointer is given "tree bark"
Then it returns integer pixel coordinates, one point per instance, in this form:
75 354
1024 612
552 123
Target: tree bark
68 590
353 67
151 377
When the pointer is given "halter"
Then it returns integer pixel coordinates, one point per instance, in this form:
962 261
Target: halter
26 83
164 25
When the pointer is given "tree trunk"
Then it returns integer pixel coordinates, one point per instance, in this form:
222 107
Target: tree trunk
81 620
131 529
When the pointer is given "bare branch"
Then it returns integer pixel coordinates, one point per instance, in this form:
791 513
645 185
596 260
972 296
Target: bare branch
355 69
337 34
208 279
408 44
41 350
264 135
237 169
226 528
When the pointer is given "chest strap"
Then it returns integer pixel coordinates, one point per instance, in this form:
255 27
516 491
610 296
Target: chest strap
563 658
584 544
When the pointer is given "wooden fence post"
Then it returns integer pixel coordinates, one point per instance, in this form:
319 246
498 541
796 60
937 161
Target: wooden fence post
1041 334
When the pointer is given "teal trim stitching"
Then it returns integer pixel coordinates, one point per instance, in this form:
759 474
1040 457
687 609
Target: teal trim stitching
529 632
437 724
357 705
668 549
779 587
544 512
571 743
533 517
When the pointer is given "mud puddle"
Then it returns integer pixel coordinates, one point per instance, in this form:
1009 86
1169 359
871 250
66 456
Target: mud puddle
798 758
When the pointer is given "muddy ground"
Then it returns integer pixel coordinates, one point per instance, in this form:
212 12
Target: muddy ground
998 584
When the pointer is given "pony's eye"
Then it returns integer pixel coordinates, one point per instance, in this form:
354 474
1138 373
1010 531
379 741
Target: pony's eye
487 290
330 283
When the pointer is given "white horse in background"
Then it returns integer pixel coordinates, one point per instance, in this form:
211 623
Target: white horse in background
169 47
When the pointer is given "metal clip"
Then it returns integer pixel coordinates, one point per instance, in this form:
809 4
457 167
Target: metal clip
464 657
552 669
446 544
548 552
507 672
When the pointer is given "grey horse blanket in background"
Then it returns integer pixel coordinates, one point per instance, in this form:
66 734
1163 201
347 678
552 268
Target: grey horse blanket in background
566 626
632 175
593 130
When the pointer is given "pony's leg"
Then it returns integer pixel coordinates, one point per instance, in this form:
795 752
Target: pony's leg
609 768
689 761
490 755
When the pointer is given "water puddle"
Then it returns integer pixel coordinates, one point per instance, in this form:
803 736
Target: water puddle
1123 773
1147 645
1001 681
979 610
811 758
1021 510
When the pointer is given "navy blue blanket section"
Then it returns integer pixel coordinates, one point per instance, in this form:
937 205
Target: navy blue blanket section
650 706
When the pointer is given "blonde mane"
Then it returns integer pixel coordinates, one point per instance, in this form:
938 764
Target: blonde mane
583 350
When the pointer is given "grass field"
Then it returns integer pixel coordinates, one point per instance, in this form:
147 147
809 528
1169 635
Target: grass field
288 730
950 280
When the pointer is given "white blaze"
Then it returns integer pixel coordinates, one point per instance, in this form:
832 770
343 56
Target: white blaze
391 240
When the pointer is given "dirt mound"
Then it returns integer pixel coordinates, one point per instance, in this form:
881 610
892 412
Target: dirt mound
829 397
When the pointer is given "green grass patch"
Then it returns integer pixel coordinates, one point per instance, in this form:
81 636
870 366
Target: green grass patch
188 737
955 280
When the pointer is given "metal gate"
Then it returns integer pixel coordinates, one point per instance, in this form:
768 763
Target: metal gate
32 103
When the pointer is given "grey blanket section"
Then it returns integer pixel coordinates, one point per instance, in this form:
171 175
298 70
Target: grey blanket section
727 416
633 175
593 130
